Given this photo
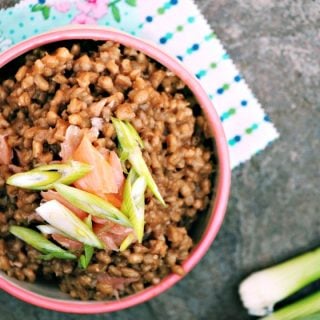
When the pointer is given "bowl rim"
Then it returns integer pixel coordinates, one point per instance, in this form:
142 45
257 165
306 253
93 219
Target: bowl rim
222 185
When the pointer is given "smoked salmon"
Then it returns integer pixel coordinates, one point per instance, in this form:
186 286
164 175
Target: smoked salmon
110 233
67 243
106 179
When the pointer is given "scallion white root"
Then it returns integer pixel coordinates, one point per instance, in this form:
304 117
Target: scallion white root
66 221
263 289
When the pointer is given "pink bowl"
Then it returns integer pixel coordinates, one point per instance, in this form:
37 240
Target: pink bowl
50 298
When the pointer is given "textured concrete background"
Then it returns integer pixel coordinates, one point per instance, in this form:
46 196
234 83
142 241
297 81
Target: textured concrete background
274 206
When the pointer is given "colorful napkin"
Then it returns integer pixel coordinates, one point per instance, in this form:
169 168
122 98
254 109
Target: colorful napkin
179 28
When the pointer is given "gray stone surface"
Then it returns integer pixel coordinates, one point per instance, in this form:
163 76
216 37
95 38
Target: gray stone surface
274 206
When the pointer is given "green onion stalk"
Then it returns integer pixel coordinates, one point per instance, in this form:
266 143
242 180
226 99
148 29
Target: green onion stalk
262 290
315 316
305 309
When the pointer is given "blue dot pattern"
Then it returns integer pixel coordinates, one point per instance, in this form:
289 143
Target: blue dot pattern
195 47
244 103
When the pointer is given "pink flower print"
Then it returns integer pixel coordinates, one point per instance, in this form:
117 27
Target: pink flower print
94 8
82 18
62 6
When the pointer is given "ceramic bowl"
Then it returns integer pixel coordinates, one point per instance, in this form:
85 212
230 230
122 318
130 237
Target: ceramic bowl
43 295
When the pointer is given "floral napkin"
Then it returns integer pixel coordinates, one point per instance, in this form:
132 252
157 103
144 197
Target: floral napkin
179 28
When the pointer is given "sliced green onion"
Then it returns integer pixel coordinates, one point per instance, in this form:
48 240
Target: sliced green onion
47 229
88 250
43 177
40 243
141 168
34 180
124 155
66 221
86 257
130 143
299 310
133 202
127 136
127 242
70 171
263 289
88 221
92 204
134 134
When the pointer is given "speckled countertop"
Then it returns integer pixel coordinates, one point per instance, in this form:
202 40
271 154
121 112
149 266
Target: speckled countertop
274 206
